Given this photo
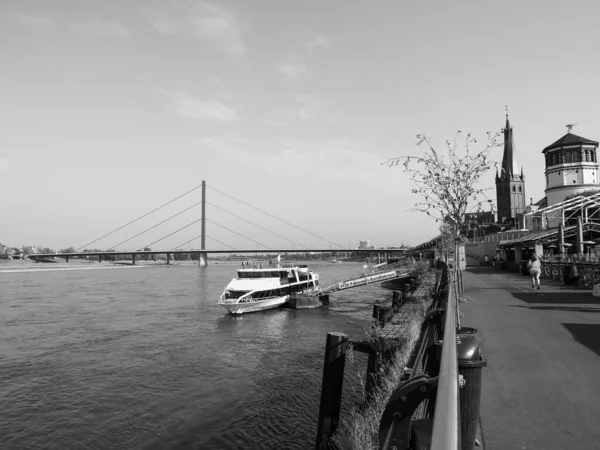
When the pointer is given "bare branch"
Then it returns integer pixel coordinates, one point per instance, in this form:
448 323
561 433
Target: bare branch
449 189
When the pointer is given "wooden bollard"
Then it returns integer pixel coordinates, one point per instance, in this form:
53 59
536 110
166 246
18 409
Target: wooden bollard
373 361
396 300
378 314
331 389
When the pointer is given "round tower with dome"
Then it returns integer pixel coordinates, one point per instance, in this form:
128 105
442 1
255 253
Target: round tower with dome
571 167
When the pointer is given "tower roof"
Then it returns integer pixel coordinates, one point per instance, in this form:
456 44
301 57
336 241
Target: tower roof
569 139
510 166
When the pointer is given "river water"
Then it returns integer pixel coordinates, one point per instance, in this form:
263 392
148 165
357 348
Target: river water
144 358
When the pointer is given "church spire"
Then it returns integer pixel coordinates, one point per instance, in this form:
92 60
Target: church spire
510 185
510 167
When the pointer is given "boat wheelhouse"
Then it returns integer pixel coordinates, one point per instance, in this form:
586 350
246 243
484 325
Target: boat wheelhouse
258 289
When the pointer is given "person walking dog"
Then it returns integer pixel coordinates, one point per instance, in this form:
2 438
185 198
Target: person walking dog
535 269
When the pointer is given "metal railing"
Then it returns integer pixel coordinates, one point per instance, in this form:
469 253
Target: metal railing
446 426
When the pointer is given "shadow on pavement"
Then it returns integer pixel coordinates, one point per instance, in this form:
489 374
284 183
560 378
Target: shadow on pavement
587 334
481 269
560 308
584 298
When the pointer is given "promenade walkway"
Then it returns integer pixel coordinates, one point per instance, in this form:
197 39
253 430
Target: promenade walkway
541 388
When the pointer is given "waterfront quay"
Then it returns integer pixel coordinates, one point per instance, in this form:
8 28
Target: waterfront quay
540 387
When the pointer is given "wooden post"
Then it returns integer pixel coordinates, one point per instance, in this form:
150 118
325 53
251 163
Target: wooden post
66 259
331 389
133 255
396 301
99 258
168 258
373 361
377 314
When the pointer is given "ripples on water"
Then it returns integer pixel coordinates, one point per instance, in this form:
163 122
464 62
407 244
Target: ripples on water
145 358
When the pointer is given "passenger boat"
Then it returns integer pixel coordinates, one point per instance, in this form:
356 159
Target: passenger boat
258 288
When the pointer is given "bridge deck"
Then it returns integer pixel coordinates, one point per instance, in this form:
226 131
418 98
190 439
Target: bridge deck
540 388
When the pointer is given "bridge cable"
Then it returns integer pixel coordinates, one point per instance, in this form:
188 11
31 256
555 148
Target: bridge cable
141 217
198 237
275 217
171 234
245 237
160 223
256 225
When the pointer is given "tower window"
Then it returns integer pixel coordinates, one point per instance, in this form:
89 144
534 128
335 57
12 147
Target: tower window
520 189
514 189
574 181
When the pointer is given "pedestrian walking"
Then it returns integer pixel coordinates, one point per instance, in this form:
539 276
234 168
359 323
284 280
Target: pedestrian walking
535 270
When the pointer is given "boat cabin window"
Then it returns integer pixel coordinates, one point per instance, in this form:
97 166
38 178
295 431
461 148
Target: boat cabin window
235 294
264 274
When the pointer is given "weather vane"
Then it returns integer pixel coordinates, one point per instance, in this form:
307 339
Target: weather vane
570 127
506 107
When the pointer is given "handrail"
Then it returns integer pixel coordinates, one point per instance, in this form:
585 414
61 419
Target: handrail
446 426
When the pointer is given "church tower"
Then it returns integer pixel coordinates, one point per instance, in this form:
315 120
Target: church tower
510 182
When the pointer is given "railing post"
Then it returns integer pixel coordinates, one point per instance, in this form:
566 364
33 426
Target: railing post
99 259
133 255
331 389
446 424
168 258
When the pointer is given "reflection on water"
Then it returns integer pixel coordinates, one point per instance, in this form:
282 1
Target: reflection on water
147 359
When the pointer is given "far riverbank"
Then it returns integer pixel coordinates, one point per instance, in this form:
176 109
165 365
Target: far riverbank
20 265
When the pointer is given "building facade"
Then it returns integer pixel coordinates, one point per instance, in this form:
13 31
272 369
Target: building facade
571 168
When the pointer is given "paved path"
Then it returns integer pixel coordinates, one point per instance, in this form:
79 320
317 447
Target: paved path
541 388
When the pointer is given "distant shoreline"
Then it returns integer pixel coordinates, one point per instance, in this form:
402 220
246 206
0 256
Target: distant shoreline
18 266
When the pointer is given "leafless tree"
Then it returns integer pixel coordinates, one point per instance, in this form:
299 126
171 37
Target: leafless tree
449 184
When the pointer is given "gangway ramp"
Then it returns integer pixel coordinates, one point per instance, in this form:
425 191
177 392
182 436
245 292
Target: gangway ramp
371 277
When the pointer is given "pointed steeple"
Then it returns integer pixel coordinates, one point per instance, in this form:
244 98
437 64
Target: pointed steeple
510 185
510 167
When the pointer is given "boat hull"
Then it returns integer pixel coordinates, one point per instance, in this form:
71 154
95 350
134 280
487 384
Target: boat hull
258 305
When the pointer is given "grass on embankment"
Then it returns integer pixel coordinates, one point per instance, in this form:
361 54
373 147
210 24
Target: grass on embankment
359 429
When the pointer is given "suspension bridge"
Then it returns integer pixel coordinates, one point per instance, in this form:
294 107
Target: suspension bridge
202 253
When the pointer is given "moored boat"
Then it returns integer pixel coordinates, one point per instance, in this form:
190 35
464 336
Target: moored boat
259 289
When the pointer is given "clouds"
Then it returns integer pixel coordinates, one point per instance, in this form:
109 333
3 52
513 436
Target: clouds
198 109
91 27
99 28
306 107
293 66
327 159
208 22
318 41
3 164
34 23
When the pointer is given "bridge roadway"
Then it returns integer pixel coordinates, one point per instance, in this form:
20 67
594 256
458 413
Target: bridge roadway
541 388
208 251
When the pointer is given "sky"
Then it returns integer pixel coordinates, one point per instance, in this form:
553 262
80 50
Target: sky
110 109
